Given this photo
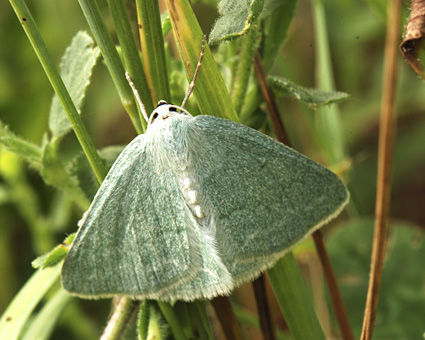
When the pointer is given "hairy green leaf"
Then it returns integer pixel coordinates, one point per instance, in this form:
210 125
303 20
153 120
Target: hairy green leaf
30 152
151 323
237 18
210 90
76 69
312 97
58 174
165 24
55 256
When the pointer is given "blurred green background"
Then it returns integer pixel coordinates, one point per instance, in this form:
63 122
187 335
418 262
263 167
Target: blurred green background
35 217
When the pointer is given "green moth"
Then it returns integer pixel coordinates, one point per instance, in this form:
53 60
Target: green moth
195 207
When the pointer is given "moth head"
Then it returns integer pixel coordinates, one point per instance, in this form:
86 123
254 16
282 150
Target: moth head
164 111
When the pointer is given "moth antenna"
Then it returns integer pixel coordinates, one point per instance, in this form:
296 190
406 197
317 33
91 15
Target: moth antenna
195 75
136 93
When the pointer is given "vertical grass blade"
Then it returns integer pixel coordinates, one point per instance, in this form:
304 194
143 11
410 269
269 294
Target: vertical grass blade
169 314
244 66
295 299
43 324
210 90
113 62
19 310
328 120
130 53
117 324
152 43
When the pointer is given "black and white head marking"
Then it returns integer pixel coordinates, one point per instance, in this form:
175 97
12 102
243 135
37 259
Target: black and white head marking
164 111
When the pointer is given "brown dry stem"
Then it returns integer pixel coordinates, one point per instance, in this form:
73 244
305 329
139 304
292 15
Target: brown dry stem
226 317
385 155
263 309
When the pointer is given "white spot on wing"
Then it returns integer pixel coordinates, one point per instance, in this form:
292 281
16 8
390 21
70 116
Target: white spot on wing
187 183
193 196
198 211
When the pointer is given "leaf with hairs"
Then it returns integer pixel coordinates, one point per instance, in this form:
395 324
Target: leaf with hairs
237 18
312 97
76 69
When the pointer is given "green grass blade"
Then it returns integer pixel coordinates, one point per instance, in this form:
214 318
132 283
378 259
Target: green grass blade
153 52
113 62
294 299
243 69
201 311
328 120
43 324
130 53
173 321
210 90
19 310
276 28
40 49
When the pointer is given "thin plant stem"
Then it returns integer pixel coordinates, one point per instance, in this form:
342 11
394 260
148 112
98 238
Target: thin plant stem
385 156
243 69
200 306
273 110
336 297
195 75
119 319
263 308
226 317
172 320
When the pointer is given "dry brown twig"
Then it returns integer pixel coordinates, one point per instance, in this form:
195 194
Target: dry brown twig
385 153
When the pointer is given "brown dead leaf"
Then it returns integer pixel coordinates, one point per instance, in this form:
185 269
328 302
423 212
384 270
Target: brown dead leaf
412 46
